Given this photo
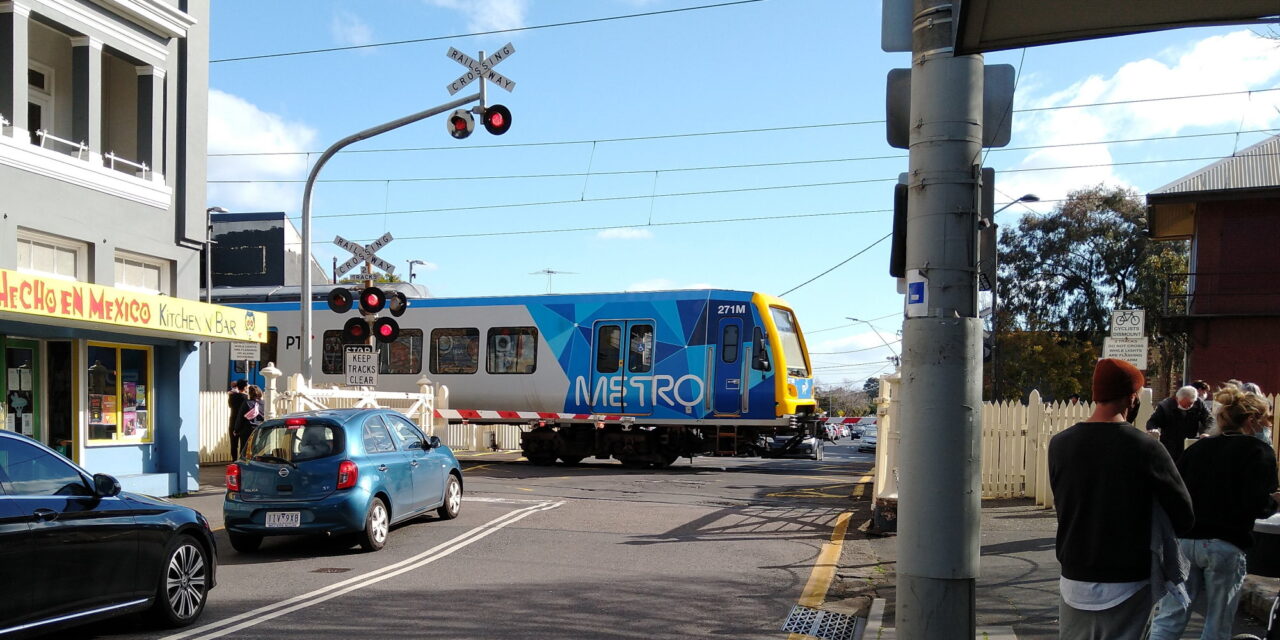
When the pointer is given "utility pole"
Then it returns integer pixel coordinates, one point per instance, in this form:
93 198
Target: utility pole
939 494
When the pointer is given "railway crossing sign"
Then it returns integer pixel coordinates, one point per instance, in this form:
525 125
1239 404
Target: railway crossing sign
364 253
481 69
360 364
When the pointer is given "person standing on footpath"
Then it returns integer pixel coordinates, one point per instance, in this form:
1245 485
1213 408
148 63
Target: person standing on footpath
1232 480
1106 475
1178 418
237 399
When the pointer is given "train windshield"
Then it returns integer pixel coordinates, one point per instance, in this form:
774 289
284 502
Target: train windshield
789 334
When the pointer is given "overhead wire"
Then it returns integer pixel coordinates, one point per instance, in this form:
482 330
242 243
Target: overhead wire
838 265
567 23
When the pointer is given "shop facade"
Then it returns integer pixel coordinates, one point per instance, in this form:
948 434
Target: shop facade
103 142
109 377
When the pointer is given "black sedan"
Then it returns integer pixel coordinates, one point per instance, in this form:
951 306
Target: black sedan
75 549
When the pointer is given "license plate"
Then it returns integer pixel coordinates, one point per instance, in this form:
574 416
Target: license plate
284 518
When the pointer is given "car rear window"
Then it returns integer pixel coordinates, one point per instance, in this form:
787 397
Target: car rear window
296 443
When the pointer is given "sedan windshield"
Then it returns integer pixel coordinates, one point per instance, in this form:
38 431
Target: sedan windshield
295 443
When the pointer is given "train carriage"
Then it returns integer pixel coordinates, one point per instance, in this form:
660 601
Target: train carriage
645 377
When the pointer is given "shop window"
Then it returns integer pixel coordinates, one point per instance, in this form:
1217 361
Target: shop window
145 275
512 350
46 255
119 394
455 351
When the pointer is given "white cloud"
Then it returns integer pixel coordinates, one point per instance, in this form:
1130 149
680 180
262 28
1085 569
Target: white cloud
238 126
663 284
349 30
629 233
1234 62
488 15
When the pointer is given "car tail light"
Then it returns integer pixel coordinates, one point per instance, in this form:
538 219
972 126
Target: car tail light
348 473
233 477
295 422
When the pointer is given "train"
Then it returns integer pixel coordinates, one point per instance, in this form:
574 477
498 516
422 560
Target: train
643 377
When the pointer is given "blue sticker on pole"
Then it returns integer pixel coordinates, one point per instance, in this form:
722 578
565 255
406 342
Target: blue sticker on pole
917 294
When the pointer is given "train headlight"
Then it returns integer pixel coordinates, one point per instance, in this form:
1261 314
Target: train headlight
792 391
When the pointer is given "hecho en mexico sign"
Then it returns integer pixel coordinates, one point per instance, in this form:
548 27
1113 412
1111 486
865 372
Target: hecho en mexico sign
87 304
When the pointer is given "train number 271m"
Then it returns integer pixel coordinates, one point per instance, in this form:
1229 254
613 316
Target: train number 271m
729 309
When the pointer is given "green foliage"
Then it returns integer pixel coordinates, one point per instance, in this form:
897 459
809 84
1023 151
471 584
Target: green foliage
1062 274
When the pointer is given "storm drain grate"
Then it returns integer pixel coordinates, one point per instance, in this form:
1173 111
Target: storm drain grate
331 570
820 624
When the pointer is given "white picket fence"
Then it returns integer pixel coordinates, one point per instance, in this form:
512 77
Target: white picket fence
1015 442
215 446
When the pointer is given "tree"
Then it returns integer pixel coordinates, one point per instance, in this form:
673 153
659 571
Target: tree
872 388
1061 275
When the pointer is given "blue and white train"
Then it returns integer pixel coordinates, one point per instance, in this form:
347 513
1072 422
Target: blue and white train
644 377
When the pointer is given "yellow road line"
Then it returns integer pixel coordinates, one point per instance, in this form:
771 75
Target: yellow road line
824 569
478 466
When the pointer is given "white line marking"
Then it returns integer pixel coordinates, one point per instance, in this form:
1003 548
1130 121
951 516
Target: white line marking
503 500
274 610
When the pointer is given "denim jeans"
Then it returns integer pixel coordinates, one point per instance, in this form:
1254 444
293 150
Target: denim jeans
1217 571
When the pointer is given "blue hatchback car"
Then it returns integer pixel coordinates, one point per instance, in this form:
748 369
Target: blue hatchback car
338 472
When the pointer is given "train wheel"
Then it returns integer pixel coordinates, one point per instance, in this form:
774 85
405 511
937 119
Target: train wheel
572 460
542 461
635 463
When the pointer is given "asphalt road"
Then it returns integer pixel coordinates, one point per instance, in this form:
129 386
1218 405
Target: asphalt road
715 547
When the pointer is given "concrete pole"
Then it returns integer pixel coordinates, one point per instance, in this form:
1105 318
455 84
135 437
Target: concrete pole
939 489
304 301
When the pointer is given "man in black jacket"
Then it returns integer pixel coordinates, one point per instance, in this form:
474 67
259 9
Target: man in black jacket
1106 475
1178 418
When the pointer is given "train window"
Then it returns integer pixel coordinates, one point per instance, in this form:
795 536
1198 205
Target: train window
455 351
640 349
404 356
608 348
789 336
512 350
331 353
729 344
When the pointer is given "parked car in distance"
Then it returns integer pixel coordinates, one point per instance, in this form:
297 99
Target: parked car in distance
338 472
868 440
75 549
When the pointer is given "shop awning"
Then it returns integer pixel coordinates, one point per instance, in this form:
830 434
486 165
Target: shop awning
31 298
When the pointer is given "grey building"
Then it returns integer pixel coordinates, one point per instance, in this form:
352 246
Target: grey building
104 110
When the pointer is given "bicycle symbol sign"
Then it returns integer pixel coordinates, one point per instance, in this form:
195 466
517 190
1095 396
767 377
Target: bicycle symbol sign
1128 323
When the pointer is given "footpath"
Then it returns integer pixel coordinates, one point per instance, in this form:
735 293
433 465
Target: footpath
1017 590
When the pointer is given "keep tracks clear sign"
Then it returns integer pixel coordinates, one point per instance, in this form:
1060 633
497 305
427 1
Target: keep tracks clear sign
361 365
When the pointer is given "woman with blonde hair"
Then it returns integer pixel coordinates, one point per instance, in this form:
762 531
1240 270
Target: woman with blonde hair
1231 477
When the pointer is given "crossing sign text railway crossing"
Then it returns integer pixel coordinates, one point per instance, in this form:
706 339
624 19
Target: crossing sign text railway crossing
481 69
364 254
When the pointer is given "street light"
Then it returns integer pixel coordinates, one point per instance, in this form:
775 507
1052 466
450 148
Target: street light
996 387
413 262
208 284
895 359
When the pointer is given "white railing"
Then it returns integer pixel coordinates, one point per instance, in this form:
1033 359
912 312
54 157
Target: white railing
111 159
80 147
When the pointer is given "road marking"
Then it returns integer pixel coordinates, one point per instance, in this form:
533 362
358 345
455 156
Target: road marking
479 466
501 500
277 609
824 569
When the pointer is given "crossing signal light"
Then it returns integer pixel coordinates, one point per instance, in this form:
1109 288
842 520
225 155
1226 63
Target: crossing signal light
355 331
386 330
461 124
372 300
497 119
340 300
397 303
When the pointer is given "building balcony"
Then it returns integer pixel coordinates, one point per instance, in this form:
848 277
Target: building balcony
1221 295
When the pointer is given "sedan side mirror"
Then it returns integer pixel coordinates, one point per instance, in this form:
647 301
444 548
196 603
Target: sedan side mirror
432 443
105 486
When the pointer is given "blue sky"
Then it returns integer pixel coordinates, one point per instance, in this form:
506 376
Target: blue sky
813 195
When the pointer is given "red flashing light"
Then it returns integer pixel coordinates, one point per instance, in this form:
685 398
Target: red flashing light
348 473
497 119
372 300
233 477
295 422
384 331
461 124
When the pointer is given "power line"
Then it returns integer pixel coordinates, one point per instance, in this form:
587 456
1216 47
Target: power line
580 174
481 33
845 326
724 132
842 263
836 353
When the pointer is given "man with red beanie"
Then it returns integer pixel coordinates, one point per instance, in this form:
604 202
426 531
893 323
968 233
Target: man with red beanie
1106 475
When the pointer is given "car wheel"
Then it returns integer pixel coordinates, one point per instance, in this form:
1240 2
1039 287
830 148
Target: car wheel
452 499
377 524
244 542
184 583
